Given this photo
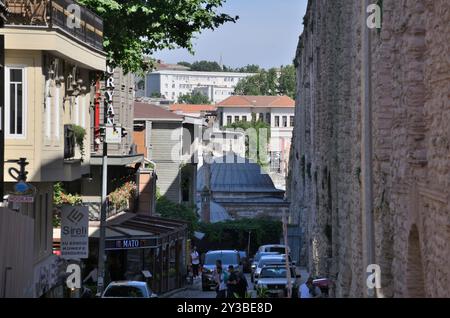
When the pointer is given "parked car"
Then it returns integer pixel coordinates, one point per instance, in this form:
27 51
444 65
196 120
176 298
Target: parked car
228 257
324 284
246 264
274 283
279 259
256 259
278 248
128 289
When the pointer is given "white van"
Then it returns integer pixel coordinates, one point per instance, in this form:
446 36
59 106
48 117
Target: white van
278 248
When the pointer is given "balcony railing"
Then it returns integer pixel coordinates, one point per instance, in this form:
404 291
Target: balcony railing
87 28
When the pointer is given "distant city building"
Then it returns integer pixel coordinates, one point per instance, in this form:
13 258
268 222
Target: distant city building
167 139
236 188
277 111
171 84
193 110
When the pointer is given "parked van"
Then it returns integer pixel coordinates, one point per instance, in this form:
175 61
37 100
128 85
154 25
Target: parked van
277 248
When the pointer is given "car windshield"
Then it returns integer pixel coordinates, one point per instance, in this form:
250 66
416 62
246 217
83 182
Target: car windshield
270 261
261 254
275 272
125 291
278 249
226 258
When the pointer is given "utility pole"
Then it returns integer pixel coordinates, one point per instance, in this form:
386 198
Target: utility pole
366 148
286 251
109 87
2 113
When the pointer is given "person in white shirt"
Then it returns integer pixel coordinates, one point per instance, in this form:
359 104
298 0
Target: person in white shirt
195 261
308 290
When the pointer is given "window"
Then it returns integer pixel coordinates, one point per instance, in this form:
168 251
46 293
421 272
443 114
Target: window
284 121
277 121
261 117
236 119
292 121
244 118
268 118
229 120
15 111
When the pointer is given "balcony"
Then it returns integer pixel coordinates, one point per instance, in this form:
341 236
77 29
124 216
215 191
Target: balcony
56 15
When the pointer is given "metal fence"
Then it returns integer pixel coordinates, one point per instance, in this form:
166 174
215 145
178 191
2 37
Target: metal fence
86 27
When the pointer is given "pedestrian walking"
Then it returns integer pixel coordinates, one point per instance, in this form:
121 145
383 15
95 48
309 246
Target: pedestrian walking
242 285
220 278
195 261
232 282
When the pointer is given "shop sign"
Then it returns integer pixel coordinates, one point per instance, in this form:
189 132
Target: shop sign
74 232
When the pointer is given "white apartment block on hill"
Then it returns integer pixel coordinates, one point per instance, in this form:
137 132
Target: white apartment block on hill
171 84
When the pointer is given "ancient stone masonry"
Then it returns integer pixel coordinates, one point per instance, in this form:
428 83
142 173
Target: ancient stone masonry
410 83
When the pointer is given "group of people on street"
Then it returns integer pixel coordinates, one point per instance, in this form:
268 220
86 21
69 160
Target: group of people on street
229 283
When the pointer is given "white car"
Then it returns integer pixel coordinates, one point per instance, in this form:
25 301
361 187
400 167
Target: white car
128 289
265 260
278 248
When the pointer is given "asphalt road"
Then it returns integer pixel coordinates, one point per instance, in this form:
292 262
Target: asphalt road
195 290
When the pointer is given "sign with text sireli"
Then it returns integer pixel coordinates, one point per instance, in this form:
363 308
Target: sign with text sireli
74 232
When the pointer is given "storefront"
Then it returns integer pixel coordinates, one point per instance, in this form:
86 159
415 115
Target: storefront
137 243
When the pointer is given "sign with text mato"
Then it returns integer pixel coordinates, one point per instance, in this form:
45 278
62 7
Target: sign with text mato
74 232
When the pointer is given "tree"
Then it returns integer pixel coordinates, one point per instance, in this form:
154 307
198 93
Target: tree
262 140
136 28
206 66
287 83
250 68
195 98
183 63
272 82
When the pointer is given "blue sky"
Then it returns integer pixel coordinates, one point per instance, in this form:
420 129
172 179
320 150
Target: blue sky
266 34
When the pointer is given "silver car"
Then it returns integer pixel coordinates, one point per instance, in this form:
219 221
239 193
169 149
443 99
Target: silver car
128 289
273 281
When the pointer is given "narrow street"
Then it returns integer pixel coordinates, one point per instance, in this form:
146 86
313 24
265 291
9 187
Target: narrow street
195 290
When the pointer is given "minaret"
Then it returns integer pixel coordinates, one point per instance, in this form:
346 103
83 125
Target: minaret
206 191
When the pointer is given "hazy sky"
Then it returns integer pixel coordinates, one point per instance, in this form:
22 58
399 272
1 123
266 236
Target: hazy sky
266 34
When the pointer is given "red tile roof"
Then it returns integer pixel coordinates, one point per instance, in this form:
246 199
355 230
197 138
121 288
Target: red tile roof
150 111
191 108
257 101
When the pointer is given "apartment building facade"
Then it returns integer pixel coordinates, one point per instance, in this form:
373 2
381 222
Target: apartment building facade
49 78
171 84
277 111
170 142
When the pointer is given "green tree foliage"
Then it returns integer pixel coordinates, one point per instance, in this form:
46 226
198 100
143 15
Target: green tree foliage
187 64
251 68
135 28
196 98
234 233
171 210
261 139
206 66
271 82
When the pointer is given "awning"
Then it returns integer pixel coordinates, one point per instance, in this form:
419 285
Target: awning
114 160
129 231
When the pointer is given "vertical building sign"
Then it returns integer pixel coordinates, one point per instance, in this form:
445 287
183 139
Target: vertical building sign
113 131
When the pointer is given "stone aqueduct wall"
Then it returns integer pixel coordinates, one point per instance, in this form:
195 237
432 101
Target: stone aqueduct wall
411 146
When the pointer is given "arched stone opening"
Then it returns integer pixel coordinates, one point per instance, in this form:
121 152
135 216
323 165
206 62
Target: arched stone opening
415 285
